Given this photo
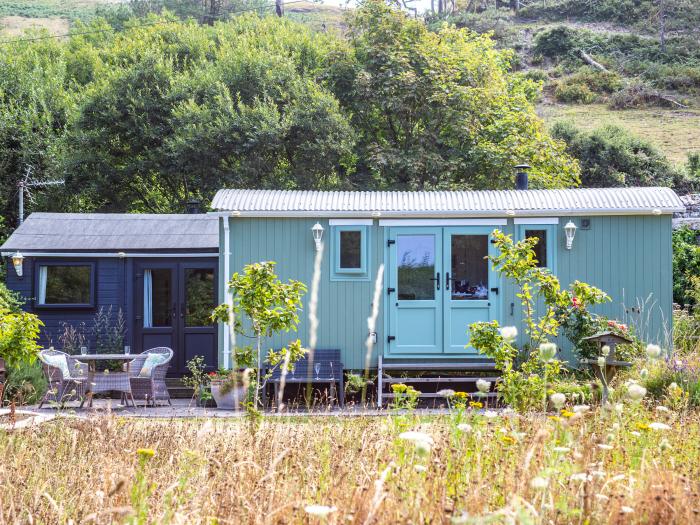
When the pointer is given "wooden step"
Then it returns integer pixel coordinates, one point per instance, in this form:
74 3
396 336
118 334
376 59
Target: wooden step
432 395
471 366
451 379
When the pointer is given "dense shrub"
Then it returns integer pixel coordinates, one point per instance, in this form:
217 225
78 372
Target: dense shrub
612 156
25 385
586 85
686 265
566 91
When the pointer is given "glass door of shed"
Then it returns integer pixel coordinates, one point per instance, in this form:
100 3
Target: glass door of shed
440 282
173 304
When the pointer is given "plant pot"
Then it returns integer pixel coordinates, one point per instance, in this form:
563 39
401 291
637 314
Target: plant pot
227 401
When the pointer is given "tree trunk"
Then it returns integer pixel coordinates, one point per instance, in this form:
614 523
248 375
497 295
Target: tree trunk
589 60
662 25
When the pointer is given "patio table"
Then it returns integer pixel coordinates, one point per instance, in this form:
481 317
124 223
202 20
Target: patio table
106 382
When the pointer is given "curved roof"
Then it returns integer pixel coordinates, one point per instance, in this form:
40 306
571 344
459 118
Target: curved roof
578 201
97 232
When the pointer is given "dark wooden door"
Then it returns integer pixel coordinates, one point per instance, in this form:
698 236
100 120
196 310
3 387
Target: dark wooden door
173 302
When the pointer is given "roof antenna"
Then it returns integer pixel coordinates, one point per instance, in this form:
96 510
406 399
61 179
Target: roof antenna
26 183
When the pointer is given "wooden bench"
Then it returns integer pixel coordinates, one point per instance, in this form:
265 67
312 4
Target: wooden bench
471 372
330 371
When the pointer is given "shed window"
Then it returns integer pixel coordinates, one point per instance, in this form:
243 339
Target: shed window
65 284
546 247
541 247
350 252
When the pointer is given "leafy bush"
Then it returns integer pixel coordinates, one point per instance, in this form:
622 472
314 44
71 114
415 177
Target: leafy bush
584 85
26 384
573 92
686 265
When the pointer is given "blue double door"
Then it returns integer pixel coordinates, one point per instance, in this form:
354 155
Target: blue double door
440 282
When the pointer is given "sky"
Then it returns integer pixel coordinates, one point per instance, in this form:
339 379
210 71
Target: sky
421 5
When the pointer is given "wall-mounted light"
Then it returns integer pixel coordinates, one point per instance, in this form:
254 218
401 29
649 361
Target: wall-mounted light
570 231
17 262
317 232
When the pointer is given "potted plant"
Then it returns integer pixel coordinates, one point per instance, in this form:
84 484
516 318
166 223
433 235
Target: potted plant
229 388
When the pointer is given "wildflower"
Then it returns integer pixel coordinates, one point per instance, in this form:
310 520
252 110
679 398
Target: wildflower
509 440
146 453
643 373
601 361
539 483
662 408
567 413
561 450
664 445
605 351
476 404
420 468
490 414
558 400
423 448
554 418
416 437
636 392
659 426
461 396
635 433
581 408
626 510
398 388
602 497
447 392
673 387
580 476
598 474
483 386
642 426
653 351
548 351
509 333
619 407
464 427
605 446
575 302
320 511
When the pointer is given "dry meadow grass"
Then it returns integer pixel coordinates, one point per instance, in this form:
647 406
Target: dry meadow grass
230 471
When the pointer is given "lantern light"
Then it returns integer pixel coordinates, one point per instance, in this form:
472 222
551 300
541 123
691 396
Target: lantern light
317 232
17 262
570 231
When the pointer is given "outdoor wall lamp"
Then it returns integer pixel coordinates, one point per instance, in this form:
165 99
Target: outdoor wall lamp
570 231
317 232
17 260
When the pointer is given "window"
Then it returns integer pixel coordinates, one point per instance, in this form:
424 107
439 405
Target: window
65 285
349 255
546 247
541 247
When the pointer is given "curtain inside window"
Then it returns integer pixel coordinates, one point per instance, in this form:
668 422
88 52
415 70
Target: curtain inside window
43 275
147 299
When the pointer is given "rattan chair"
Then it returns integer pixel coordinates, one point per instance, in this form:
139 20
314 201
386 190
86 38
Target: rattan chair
152 388
62 389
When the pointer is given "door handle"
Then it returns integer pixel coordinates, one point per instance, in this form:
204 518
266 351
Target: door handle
182 310
447 281
436 279
495 290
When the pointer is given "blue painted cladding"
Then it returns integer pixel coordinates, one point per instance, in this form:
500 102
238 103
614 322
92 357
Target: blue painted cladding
112 290
629 257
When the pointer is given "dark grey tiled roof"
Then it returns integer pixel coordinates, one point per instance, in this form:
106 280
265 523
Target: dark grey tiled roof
97 232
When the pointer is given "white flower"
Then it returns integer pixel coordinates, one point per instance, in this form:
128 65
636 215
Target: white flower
601 361
490 414
602 497
581 476
662 408
653 351
539 483
659 426
509 333
483 386
420 468
605 446
619 407
581 408
548 351
464 427
558 399
598 474
664 445
643 373
635 433
320 511
605 351
626 510
447 392
636 392
673 386
416 437
561 449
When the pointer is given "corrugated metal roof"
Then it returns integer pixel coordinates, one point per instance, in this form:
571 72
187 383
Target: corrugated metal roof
578 201
95 232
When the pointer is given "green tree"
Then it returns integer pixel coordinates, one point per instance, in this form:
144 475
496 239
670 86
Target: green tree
439 109
270 306
686 265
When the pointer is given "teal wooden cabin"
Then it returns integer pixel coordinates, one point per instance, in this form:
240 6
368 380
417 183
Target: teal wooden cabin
432 248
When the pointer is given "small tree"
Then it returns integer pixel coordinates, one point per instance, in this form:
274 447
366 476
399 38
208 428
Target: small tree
271 307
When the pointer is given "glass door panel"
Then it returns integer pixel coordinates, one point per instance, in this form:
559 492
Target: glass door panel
416 267
200 296
157 297
469 267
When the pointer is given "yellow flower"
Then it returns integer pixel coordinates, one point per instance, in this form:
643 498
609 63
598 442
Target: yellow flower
398 388
146 453
460 395
476 404
642 426
568 413
509 440
554 418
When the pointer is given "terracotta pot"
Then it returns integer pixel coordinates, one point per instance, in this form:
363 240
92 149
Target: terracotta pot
227 401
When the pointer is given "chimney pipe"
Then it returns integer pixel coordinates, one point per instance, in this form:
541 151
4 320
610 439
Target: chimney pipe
193 206
521 182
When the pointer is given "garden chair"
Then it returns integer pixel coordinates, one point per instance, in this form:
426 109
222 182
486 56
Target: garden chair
67 377
148 380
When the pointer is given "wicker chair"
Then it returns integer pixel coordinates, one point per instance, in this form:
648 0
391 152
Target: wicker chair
151 388
62 389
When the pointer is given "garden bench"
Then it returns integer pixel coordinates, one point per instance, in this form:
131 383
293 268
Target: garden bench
329 371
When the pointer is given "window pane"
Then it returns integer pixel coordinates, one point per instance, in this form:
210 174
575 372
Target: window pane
470 268
199 296
67 285
416 258
161 286
351 249
541 246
